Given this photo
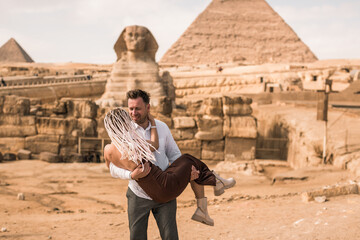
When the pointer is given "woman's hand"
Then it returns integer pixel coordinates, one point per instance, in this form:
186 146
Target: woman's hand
141 171
194 173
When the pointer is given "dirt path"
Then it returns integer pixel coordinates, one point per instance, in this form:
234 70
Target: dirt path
82 201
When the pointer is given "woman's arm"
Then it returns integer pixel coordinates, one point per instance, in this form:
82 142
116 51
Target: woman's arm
154 137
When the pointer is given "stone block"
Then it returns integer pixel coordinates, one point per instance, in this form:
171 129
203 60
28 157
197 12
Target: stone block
212 150
57 126
87 127
43 143
12 144
1 157
239 149
50 157
17 120
167 120
237 106
24 154
184 122
192 147
183 134
331 191
242 127
68 140
73 157
212 107
17 131
192 106
80 108
9 157
68 150
162 105
210 128
16 105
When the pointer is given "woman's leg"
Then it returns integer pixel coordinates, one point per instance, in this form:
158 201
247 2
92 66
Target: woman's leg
201 213
198 189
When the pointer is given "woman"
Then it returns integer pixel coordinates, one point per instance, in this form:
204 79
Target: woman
130 151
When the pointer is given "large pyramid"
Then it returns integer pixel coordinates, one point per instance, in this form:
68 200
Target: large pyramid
238 31
11 51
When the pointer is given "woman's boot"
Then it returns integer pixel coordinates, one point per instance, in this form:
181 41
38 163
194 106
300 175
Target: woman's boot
222 184
201 213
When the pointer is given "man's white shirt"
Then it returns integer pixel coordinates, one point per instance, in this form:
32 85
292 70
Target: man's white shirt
167 153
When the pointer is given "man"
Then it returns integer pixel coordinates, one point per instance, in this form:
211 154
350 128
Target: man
139 203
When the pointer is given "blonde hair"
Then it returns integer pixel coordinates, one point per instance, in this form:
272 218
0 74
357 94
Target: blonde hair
122 132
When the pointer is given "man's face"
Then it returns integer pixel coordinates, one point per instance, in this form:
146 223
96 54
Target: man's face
138 110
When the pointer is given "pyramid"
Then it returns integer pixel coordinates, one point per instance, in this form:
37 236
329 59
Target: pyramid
246 32
11 51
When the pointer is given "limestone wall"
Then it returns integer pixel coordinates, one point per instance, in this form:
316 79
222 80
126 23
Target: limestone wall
52 88
217 128
204 80
49 129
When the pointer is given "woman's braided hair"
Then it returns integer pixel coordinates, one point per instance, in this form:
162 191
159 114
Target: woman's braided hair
121 130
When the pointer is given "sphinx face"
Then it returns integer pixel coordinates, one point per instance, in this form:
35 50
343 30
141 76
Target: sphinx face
135 38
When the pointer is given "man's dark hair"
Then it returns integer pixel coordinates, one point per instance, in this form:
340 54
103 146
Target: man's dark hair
134 94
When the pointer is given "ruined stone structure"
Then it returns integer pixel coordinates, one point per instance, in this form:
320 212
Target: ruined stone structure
247 32
11 51
53 88
135 67
210 129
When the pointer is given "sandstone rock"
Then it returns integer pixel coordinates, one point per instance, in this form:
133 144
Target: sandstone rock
183 134
23 154
12 144
212 150
73 157
80 108
21 196
43 143
17 131
16 105
9 157
162 105
243 127
67 140
330 191
192 147
135 67
184 122
192 106
167 120
68 150
87 127
239 149
50 157
17 126
212 107
210 128
57 126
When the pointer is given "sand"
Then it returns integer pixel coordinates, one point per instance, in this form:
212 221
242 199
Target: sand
82 201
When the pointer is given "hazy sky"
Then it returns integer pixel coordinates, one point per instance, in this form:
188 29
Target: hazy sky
86 30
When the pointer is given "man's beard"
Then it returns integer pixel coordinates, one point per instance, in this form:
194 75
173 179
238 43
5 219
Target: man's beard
141 120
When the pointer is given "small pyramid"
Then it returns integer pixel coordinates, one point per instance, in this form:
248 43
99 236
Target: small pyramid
246 32
11 51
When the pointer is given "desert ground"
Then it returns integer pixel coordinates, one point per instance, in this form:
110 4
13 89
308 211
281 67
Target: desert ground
82 201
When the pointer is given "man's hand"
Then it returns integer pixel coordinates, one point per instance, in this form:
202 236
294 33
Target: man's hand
194 173
141 171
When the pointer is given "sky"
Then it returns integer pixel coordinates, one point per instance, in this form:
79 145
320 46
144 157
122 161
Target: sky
86 30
